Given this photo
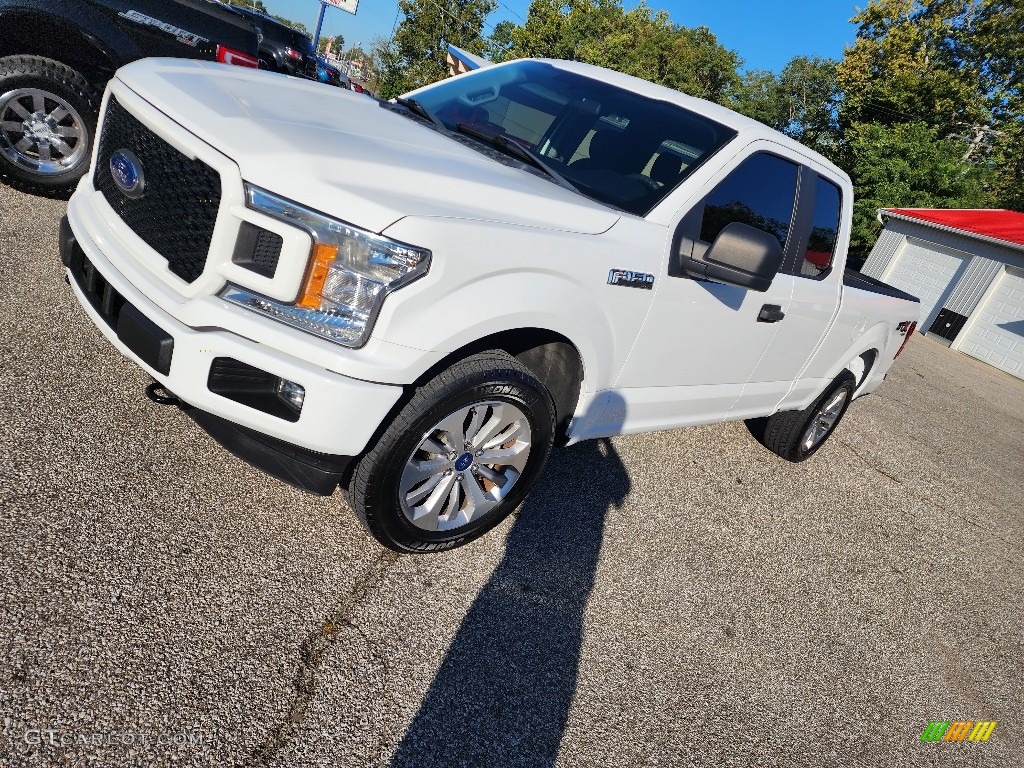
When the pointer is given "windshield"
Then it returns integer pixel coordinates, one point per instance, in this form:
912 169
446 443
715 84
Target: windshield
616 146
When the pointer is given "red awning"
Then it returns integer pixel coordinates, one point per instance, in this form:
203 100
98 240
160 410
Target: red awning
1007 226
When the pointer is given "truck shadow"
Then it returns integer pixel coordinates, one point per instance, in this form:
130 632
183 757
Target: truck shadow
502 694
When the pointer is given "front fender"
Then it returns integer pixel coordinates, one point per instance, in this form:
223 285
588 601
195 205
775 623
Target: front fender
525 278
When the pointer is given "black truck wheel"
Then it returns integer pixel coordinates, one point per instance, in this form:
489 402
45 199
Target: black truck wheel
48 114
459 457
797 435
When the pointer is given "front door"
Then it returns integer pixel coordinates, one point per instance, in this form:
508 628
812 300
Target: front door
703 340
816 293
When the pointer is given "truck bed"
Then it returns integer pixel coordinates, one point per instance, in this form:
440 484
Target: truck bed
854 279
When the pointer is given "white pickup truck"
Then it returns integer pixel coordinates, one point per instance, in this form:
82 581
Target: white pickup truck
416 299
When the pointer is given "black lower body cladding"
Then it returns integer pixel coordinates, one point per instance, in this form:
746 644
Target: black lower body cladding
308 470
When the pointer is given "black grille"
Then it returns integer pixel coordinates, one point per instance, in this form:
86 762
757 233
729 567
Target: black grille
258 249
177 210
153 345
101 294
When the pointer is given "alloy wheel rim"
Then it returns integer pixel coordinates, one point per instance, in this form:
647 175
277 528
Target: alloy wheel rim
824 420
465 465
41 132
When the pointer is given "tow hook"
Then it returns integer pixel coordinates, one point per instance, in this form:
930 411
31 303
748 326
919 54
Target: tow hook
161 395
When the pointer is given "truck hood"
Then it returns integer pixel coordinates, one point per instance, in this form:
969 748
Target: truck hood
341 153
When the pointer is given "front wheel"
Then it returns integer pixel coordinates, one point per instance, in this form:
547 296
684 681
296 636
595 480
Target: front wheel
797 435
458 458
48 114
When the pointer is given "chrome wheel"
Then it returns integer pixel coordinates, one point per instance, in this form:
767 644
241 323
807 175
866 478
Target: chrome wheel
825 418
41 132
465 465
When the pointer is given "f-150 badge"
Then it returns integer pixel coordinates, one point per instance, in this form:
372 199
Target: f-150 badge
629 279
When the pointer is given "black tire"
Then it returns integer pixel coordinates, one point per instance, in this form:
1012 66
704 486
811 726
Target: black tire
787 432
265 62
24 166
483 379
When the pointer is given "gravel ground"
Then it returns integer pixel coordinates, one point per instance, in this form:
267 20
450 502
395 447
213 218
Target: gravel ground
682 598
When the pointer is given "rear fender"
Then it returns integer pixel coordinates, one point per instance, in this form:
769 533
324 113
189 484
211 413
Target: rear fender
74 34
877 338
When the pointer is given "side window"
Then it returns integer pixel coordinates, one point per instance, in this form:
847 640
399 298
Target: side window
821 245
760 192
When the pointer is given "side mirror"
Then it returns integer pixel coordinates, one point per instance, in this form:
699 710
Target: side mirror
741 255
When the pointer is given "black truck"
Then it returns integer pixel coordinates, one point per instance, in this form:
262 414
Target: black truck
282 49
56 56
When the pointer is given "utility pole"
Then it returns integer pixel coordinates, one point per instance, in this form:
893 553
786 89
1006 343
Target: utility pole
319 24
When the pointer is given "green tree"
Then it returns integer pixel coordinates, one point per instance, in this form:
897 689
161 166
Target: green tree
1007 162
904 67
907 165
759 96
931 108
417 54
802 101
639 42
812 95
500 44
992 42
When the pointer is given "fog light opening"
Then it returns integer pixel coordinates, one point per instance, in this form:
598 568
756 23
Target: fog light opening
291 394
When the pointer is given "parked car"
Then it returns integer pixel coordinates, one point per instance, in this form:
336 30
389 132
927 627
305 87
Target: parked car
330 74
422 297
57 56
282 49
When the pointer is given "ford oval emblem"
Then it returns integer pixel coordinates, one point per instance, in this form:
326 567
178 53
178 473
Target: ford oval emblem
126 170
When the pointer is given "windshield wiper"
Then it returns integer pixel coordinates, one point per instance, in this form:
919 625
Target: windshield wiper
415 107
515 149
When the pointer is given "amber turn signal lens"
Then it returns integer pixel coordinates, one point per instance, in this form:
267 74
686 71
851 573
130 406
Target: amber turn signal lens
319 266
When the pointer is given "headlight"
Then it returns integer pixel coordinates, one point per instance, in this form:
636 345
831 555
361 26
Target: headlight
350 272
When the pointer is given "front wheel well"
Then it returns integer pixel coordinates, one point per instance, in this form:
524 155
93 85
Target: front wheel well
551 357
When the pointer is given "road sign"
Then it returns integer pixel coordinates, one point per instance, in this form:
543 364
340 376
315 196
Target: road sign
346 5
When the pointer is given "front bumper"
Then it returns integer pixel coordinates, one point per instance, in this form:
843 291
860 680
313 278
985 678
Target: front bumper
339 414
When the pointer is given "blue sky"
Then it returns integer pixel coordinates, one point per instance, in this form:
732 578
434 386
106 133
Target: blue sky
765 33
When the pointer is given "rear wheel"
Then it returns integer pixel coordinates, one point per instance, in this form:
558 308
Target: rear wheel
797 435
458 458
48 116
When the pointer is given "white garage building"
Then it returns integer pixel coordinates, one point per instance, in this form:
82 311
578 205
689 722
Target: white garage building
967 267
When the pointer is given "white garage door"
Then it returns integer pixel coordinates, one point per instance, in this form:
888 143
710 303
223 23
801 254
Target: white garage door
929 272
997 336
